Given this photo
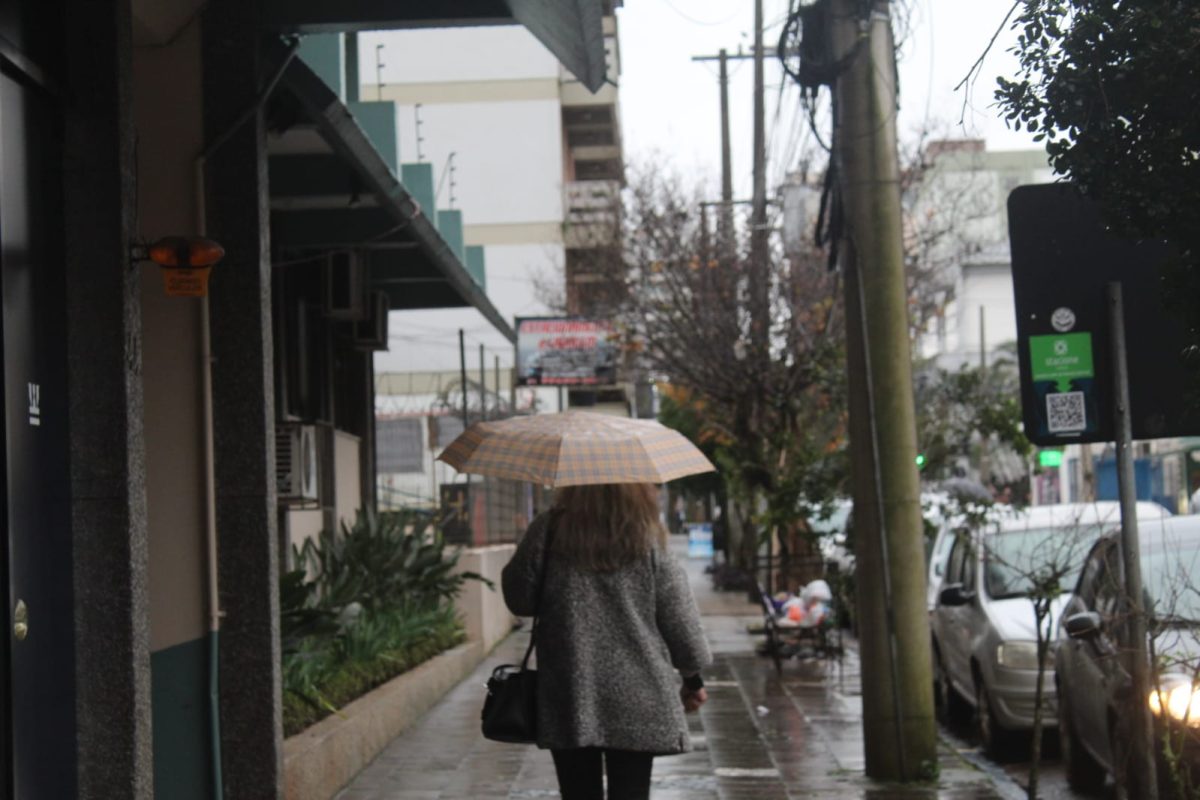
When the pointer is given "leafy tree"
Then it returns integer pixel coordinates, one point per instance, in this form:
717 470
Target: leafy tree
968 416
1113 88
764 392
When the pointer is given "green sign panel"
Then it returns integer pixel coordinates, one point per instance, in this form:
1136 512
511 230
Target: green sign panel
1050 458
1061 358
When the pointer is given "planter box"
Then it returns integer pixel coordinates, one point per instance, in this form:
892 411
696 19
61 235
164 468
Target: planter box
485 617
322 759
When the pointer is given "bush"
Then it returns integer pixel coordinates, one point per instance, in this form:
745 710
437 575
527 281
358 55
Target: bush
374 649
383 561
364 605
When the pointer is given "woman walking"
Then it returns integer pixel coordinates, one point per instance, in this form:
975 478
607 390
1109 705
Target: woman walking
620 647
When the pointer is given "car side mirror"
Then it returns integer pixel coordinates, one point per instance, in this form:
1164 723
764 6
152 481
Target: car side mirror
1085 625
953 595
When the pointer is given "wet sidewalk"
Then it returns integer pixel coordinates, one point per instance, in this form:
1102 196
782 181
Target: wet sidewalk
759 737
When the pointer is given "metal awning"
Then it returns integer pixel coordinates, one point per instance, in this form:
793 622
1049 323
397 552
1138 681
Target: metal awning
332 190
570 29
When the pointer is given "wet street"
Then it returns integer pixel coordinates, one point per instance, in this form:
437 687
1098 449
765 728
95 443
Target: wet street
1052 778
760 736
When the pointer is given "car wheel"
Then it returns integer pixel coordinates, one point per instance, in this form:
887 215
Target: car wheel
997 741
1083 773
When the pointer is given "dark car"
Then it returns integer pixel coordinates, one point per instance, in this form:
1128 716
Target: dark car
1093 682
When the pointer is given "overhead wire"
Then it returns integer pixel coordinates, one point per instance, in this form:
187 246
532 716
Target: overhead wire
700 22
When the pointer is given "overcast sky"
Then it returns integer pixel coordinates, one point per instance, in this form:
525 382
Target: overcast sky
670 104
669 109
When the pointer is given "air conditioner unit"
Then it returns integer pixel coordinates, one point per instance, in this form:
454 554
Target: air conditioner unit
372 332
346 286
297 464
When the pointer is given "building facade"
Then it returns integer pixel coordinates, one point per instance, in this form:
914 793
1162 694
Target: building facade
142 513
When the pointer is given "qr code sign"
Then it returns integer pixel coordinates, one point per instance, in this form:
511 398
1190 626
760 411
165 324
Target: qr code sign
1065 412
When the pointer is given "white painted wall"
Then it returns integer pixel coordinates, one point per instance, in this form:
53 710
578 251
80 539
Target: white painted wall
170 76
499 52
987 286
966 194
508 172
485 617
508 157
347 472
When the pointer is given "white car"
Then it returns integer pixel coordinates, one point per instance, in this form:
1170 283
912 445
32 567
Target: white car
983 624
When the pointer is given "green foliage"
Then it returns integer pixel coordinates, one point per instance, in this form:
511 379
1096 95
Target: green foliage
379 601
373 650
1114 90
956 411
388 560
687 419
301 615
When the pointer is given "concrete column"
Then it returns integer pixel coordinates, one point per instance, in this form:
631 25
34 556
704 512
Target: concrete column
108 501
243 398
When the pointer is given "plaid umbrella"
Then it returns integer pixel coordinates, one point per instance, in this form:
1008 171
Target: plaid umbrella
573 448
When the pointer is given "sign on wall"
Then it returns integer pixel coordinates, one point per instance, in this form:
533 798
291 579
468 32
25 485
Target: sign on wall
563 351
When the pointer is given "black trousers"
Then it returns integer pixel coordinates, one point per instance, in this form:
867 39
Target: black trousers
580 774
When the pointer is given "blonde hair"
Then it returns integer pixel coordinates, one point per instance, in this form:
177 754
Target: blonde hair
603 527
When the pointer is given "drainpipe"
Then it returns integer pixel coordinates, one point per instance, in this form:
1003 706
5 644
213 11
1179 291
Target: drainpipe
210 480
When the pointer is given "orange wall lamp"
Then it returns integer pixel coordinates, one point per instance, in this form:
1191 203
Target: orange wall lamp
186 262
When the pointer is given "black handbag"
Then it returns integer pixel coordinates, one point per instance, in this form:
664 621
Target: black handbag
510 708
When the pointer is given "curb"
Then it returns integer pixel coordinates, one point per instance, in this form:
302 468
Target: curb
320 760
1007 788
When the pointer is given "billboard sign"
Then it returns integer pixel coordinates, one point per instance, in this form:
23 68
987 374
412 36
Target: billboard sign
565 351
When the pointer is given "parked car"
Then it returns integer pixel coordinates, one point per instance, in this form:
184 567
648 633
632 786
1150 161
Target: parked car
1092 680
948 517
983 625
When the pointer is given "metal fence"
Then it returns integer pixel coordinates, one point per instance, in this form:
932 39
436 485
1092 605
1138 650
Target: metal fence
472 510
488 511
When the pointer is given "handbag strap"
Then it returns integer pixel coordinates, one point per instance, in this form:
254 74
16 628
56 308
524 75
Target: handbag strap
541 586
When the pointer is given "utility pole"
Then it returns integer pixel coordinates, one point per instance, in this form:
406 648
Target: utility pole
482 385
984 461
759 274
899 730
725 232
462 368
496 374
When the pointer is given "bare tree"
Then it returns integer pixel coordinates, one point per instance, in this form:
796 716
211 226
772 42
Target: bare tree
950 215
1041 565
679 285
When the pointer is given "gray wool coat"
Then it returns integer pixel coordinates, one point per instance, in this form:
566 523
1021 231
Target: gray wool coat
611 648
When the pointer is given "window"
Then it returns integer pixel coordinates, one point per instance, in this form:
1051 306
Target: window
1087 581
954 565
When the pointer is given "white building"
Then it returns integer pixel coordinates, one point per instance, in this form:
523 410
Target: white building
533 161
516 143
960 212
